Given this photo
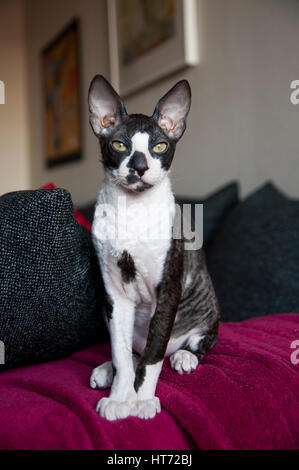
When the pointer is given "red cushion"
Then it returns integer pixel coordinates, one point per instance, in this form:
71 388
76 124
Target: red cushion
245 395
78 216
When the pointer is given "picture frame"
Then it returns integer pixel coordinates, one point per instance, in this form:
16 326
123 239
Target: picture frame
60 64
149 40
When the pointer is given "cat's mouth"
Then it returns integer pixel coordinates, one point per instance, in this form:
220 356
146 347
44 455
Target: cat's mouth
136 184
142 187
132 178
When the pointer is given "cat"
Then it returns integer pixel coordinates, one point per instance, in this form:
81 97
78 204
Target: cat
160 299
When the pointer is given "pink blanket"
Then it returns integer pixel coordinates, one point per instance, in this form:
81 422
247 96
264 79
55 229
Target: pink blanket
245 395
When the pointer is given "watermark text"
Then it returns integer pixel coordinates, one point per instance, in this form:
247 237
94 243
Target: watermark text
294 97
149 222
2 353
295 354
2 92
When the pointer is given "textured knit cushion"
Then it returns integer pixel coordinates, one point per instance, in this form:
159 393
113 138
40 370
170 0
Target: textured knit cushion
254 258
50 285
77 214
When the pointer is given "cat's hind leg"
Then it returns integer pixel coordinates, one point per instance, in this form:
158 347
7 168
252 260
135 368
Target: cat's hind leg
183 361
102 376
190 354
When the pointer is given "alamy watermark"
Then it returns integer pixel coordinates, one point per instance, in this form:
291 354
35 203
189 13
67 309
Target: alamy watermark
2 92
295 354
149 222
2 353
294 96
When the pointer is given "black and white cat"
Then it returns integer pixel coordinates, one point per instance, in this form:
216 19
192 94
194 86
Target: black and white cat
159 297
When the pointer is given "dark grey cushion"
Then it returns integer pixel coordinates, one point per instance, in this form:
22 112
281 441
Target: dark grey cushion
254 258
50 285
215 208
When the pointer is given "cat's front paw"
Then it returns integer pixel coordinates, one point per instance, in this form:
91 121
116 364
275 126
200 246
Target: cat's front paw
112 409
148 408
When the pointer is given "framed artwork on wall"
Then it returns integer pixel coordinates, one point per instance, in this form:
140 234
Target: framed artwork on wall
61 93
150 39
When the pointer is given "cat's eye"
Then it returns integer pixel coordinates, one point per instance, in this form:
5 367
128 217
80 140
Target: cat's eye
119 146
160 148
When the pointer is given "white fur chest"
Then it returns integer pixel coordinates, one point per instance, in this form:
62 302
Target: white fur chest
139 224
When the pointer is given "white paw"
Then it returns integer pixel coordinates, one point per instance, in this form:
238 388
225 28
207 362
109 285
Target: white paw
102 376
183 361
112 409
148 408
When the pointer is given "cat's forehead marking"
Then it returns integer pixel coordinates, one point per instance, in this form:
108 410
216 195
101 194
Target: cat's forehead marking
140 142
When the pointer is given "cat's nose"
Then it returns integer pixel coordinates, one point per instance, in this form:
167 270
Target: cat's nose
138 163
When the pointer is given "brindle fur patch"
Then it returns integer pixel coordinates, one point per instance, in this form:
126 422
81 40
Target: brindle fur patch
168 299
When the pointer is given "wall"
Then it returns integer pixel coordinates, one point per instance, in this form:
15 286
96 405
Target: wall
14 156
242 124
43 21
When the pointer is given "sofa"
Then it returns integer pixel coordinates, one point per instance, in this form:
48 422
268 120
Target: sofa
244 394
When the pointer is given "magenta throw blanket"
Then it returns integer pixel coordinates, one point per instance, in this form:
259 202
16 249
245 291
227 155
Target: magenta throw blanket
245 395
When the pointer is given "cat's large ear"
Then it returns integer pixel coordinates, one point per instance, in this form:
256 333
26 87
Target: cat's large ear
172 110
105 106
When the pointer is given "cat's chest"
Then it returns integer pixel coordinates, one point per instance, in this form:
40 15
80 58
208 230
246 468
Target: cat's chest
135 265
132 245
